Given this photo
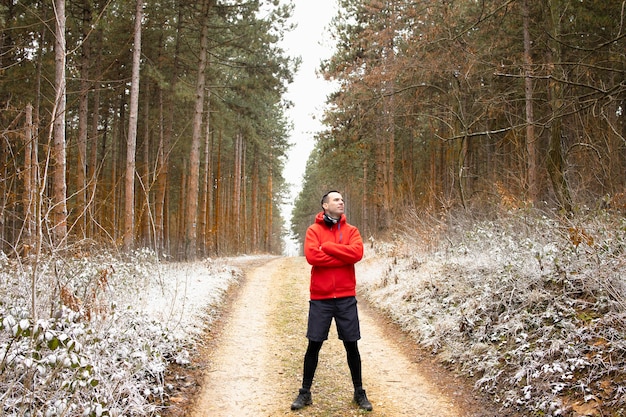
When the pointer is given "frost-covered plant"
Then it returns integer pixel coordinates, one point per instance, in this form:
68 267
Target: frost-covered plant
42 364
67 366
95 348
530 305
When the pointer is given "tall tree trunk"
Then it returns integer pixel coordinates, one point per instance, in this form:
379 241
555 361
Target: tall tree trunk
206 181
237 177
269 213
165 139
389 197
191 213
83 108
4 188
365 214
30 172
556 165
254 202
161 180
531 140
211 204
38 77
119 121
391 154
180 227
556 162
380 149
59 186
243 219
146 215
622 157
32 203
93 167
131 142
462 171
218 198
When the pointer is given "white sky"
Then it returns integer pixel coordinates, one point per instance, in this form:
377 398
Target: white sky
309 40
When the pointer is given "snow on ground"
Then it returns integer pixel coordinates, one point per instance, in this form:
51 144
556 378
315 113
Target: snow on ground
184 296
106 351
531 307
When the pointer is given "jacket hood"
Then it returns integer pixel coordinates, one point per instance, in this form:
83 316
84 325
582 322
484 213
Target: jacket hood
319 218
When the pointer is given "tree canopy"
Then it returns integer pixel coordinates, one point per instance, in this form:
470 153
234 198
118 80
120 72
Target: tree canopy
210 126
477 105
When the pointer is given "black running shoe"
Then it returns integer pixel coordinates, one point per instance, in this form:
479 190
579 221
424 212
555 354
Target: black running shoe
361 399
303 399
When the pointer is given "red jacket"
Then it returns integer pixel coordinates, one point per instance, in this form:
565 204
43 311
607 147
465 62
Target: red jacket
332 253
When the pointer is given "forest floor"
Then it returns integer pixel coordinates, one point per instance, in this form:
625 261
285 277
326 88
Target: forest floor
250 363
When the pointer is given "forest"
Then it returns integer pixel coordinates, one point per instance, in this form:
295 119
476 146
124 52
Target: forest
151 124
480 146
162 124
474 106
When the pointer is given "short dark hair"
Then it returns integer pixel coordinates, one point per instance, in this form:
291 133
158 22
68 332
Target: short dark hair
325 197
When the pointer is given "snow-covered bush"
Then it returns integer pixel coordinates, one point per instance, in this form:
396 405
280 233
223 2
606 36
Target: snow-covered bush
66 365
531 306
42 354
105 330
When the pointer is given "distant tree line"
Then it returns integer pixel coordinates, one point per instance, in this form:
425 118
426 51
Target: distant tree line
473 105
144 123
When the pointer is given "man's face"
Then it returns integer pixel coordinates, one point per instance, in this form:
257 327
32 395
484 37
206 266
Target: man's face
334 206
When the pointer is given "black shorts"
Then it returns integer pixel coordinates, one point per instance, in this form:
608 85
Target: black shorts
343 310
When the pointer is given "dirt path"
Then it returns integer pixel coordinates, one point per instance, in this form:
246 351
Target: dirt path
254 367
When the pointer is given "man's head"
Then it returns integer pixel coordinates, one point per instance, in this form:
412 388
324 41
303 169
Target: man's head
333 205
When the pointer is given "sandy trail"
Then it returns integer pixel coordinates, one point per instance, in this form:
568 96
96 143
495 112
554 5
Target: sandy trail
255 369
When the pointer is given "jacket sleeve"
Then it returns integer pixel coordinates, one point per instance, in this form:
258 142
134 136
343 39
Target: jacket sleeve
349 253
313 250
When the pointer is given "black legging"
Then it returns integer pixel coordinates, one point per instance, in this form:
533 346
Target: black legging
312 355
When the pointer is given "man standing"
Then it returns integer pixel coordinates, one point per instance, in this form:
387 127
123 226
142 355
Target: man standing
332 247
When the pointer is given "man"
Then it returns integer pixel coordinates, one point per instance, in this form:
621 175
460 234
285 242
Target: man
332 247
